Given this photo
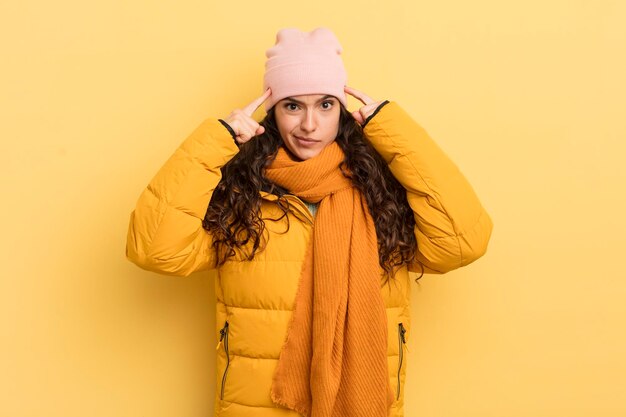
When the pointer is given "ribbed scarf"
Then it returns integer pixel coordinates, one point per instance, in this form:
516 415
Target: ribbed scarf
334 359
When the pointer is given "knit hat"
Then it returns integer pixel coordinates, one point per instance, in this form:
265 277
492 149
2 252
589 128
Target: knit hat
304 63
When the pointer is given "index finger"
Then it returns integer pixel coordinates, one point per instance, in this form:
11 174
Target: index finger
363 98
251 108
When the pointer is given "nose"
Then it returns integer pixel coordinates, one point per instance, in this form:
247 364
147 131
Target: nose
309 122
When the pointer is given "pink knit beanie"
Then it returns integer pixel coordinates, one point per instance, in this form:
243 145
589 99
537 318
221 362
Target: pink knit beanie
304 63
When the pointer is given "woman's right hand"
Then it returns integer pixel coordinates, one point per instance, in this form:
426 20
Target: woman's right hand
242 123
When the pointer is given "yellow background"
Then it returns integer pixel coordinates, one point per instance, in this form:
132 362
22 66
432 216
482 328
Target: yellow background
526 97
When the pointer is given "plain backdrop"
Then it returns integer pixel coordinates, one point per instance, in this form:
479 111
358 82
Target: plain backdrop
527 97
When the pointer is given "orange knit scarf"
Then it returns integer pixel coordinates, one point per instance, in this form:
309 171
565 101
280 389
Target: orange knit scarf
334 359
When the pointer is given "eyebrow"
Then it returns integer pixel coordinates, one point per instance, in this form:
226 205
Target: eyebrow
327 96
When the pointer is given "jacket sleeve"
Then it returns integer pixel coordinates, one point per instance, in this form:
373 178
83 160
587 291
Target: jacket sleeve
452 227
165 232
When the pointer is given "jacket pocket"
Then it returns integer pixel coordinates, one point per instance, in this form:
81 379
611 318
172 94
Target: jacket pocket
401 344
224 342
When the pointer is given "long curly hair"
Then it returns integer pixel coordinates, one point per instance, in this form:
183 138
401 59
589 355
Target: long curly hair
234 215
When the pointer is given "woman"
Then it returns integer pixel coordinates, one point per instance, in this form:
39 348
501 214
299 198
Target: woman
313 218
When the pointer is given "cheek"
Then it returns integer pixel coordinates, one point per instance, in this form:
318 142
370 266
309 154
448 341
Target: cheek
334 128
284 128
284 124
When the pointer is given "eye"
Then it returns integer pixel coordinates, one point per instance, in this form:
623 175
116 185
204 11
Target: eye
287 106
327 102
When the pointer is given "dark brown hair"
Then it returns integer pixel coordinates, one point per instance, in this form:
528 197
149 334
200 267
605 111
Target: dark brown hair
234 213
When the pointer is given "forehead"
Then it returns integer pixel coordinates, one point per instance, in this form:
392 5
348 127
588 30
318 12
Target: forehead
309 98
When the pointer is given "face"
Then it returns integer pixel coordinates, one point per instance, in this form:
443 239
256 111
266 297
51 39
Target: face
308 123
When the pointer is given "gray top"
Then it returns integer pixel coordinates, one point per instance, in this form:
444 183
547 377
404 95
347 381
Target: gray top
312 207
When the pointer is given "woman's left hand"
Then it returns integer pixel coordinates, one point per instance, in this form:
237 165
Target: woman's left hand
370 105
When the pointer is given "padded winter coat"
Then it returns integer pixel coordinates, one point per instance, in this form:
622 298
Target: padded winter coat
255 299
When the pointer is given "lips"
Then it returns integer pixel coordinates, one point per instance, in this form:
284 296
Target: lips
307 140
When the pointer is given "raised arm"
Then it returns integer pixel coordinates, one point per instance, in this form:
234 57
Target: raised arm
165 233
452 227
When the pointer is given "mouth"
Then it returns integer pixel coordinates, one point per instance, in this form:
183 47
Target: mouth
305 140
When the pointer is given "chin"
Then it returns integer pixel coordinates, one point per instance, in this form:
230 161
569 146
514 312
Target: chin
303 154
309 154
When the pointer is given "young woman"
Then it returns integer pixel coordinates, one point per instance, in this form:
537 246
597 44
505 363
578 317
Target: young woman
313 218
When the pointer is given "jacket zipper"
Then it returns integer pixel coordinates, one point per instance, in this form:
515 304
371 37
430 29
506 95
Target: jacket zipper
401 344
224 337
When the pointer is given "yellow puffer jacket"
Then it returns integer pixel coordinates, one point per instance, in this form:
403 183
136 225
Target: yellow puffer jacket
255 298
